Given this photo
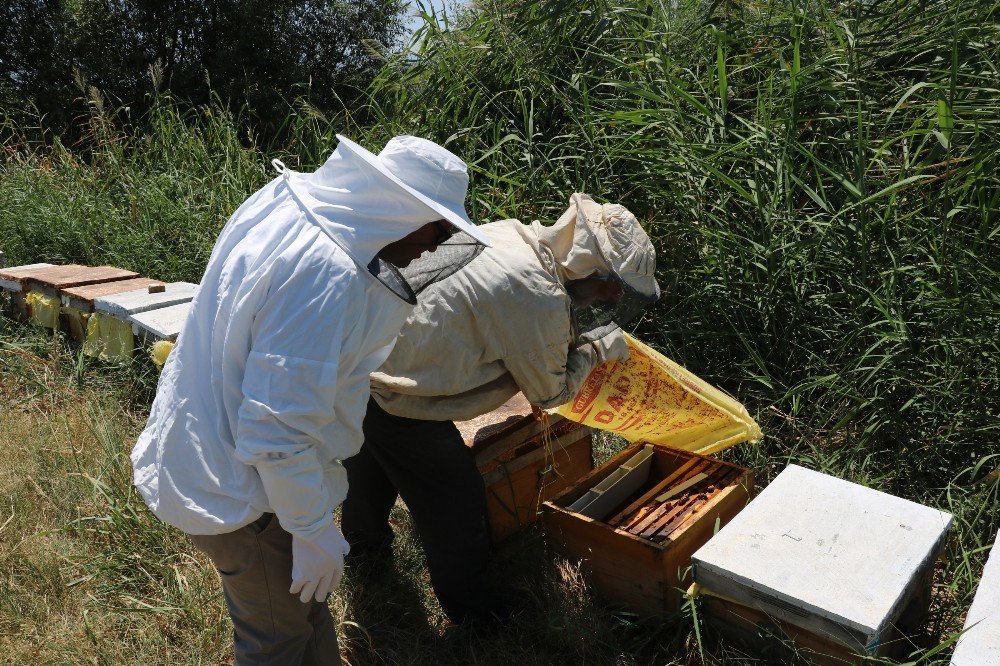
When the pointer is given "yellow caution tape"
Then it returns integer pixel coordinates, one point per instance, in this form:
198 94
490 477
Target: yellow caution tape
650 398
161 349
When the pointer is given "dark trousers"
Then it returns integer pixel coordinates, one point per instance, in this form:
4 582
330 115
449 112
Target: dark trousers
270 625
428 465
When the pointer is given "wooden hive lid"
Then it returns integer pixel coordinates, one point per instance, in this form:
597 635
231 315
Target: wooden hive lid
506 427
73 275
12 279
83 297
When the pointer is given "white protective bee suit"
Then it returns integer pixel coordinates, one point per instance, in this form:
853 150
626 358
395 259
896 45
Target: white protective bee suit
507 318
265 392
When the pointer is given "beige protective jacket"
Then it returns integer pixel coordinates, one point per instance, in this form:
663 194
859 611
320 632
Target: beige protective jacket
503 323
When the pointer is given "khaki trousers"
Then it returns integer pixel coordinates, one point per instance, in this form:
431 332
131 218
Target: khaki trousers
271 626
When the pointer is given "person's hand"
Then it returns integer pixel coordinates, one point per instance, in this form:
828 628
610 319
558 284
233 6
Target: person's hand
612 347
318 564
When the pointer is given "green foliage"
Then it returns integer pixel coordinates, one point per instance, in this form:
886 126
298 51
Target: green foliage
253 52
820 178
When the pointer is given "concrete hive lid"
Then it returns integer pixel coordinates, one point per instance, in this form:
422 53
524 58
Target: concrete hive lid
980 644
132 302
824 554
162 323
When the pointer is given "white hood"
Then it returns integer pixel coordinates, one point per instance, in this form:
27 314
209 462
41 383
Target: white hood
594 238
357 207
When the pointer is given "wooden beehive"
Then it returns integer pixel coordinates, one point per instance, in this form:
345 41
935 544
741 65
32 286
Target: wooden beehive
843 570
50 281
634 522
524 461
12 283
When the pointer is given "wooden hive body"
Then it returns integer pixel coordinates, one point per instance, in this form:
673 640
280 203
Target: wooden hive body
841 568
636 549
519 471
12 283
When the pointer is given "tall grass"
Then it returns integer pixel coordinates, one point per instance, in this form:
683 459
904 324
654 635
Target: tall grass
822 181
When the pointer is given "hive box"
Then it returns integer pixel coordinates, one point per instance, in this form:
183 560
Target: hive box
841 569
112 335
50 281
644 571
523 462
979 644
12 282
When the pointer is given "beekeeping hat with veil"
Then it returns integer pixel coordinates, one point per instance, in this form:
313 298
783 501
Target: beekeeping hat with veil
603 241
365 201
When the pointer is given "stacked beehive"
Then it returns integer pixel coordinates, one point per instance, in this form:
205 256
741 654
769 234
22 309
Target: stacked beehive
524 461
103 306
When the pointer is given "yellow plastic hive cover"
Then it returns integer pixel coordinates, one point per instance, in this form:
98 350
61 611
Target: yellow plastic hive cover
652 399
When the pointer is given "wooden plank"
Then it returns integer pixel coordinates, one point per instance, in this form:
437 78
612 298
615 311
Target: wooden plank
82 298
12 279
681 487
655 512
509 416
161 324
54 279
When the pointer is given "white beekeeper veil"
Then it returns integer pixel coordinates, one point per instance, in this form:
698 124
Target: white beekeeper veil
365 201
605 241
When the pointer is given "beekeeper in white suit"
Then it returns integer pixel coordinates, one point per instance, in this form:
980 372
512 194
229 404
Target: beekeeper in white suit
535 312
264 395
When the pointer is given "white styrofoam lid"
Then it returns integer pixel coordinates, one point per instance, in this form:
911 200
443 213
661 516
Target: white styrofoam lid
837 548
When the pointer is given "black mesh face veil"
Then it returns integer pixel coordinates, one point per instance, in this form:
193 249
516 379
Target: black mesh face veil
600 304
450 257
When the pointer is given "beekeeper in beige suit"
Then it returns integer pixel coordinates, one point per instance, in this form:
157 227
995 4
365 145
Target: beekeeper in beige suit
535 312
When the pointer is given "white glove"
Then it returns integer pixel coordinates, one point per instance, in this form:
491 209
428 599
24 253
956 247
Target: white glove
318 564
612 347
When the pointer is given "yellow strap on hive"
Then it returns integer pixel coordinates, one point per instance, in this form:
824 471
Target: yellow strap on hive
652 399
44 309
